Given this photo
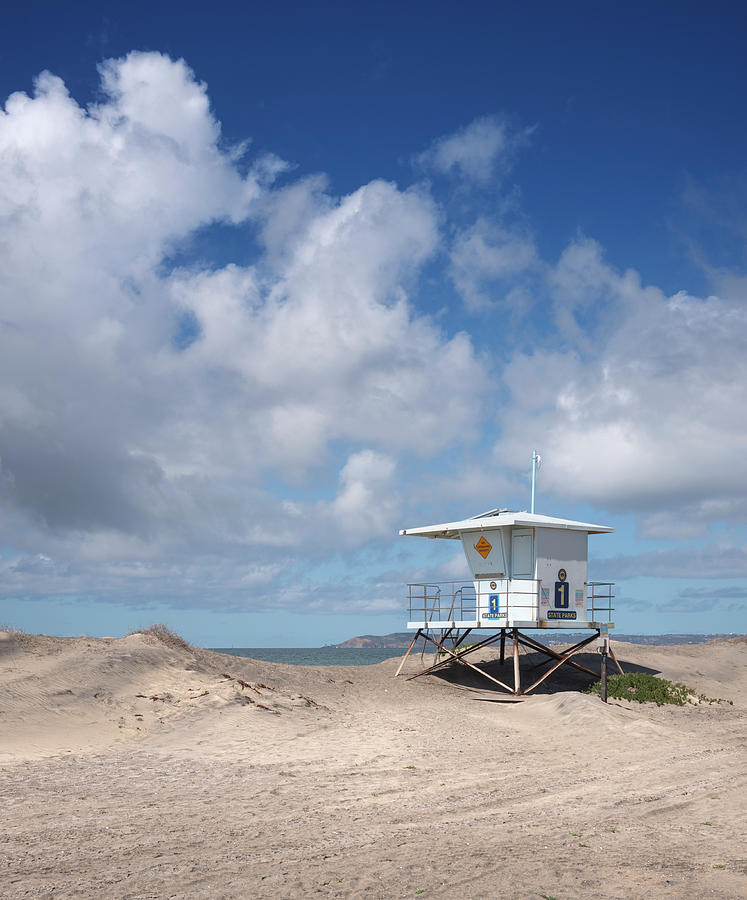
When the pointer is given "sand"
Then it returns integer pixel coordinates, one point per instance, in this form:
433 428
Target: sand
132 769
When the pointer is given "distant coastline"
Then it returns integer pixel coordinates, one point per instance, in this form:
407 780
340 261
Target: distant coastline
401 639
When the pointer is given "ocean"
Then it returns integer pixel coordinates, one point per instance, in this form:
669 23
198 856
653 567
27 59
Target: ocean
369 656
315 656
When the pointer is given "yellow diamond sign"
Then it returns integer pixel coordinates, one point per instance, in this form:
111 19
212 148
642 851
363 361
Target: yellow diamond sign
483 547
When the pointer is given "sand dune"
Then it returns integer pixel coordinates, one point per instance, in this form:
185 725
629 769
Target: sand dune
129 768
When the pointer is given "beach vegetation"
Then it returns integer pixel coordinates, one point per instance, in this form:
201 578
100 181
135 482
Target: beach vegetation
644 688
165 635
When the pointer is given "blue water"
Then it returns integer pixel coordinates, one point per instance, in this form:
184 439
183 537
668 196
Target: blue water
315 656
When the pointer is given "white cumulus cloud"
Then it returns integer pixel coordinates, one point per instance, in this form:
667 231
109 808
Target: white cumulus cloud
367 505
640 407
142 407
476 152
486 261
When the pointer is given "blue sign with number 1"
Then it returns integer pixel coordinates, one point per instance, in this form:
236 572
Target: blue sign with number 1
561 595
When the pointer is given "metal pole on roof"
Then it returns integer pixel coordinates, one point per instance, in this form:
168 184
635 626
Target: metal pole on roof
536 460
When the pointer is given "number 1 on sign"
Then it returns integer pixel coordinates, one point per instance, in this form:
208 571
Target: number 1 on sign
561 595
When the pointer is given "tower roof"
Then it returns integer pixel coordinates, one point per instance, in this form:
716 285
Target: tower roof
498 518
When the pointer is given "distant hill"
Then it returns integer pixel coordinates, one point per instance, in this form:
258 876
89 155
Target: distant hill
401 639
379 642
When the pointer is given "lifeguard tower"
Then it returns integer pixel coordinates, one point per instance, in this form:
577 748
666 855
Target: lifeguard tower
529 572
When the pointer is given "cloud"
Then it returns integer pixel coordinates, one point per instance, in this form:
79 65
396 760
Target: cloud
329 348
116 182
703 599
719 592
712 222
636 401
475 153
634 604
684 605
230 434
485 262
146 410
366 507
709 561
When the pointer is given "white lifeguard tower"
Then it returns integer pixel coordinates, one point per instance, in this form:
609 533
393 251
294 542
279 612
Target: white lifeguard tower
529 571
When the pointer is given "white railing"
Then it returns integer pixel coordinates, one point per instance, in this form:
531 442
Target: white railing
457 601
442 601
599 598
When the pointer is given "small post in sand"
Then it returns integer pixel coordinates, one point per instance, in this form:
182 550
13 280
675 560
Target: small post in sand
603 674
603 690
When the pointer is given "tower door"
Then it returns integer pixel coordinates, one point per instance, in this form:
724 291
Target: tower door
522 553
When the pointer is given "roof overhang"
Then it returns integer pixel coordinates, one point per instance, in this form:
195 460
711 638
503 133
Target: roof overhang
492 521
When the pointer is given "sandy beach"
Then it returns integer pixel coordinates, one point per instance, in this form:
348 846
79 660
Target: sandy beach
129 768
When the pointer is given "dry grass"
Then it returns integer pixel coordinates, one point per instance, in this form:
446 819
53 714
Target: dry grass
165 635
17 637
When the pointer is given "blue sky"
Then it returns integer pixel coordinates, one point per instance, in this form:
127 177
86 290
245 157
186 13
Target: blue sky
280 279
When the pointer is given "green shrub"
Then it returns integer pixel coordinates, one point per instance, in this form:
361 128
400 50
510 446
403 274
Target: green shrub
648 689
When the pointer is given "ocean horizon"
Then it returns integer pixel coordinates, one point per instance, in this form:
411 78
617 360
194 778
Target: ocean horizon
370 656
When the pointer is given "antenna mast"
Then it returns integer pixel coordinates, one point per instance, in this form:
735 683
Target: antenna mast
536 460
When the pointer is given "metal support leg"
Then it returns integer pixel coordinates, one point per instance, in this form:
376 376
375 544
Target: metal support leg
461 637
562 659
404 659
614 658
535 645
454 656
503 645
517 674
459 657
